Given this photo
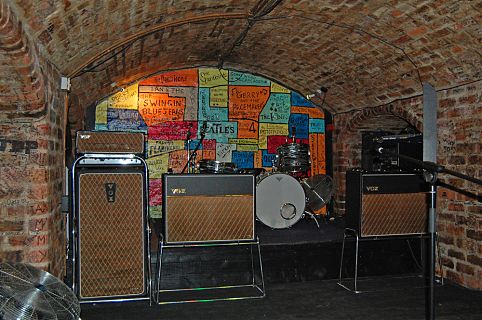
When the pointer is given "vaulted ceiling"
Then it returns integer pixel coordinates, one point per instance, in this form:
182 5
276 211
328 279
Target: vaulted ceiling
365 53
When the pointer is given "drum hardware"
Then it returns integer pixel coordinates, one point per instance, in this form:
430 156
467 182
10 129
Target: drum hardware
191 159
213 166
318 190
312 216
254 171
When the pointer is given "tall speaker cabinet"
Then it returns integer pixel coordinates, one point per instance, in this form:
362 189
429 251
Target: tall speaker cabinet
110 228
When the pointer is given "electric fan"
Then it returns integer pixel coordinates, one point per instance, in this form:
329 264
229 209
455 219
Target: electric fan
29 293
318 190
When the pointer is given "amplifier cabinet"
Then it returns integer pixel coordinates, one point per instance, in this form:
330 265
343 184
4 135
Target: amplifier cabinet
201 208
111 232
386 204
110 142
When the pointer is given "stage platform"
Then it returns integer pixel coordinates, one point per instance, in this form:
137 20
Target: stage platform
299 253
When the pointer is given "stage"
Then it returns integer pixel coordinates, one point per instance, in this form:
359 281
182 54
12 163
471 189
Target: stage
299 253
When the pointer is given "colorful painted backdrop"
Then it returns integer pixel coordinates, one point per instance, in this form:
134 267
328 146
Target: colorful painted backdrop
246 118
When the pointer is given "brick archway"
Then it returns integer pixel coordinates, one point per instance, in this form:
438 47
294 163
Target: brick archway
347 138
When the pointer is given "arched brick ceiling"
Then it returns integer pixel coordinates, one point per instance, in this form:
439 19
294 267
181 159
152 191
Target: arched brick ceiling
365 52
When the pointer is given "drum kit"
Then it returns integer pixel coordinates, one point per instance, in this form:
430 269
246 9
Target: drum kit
286 194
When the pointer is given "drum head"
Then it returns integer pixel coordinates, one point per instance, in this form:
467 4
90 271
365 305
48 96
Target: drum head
280 201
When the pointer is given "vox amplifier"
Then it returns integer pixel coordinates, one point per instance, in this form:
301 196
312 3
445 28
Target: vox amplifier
111 231
386 204
108 142
208 208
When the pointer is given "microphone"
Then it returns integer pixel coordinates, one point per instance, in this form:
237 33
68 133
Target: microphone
188 135
397 137
204 127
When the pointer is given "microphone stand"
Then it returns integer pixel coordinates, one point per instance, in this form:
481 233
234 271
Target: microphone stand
192 156
188 146
431 171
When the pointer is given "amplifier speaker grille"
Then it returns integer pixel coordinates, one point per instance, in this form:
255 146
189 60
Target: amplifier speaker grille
208 208
209 218
111 239
379 204
393 214
109 142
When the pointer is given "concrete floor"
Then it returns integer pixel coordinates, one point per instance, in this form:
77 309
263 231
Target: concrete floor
395 298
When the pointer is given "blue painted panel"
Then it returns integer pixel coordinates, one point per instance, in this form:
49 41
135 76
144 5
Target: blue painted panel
300 122
317 126
125 120
300 101
243 159
268 158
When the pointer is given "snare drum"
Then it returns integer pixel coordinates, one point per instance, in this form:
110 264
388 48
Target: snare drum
213 166
280 200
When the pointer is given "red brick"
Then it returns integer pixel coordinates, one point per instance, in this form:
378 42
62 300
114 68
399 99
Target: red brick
38 225
37 256
11 225
473 282
446 239
456 231
465 268
454 276
447 262
456 254
475 260
456 207
473 234
417 31
16 241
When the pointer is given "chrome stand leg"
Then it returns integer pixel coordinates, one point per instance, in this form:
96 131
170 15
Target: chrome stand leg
159 266
312 216
263 292
357 239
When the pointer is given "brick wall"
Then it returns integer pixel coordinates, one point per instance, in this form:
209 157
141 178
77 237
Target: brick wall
459 210
459 214
31 152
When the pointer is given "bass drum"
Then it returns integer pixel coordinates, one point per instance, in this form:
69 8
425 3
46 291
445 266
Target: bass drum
280 200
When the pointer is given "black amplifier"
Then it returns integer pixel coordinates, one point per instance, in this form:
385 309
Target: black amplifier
386 204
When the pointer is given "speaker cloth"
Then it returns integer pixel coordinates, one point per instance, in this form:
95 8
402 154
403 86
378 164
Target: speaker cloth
394 214
209 218
111 238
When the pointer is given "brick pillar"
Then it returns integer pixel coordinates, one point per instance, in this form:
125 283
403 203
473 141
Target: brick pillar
31 152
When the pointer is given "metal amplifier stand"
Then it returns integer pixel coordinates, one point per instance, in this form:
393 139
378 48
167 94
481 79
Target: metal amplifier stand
353 233
207 211
252 290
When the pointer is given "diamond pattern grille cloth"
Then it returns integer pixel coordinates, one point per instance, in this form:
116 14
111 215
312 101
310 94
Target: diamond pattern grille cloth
110 142
209 218
111 236
394 214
